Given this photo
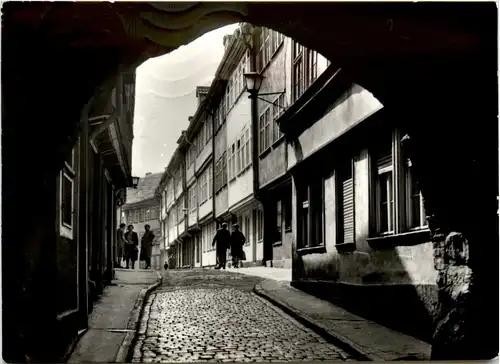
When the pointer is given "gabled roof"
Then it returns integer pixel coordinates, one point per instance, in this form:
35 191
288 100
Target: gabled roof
145 189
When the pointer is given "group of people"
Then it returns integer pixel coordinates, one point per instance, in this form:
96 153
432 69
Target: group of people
127 246
225 240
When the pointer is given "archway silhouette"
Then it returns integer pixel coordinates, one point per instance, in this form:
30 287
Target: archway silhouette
433 66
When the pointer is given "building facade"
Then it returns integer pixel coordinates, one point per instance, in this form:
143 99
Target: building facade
316 179
143 207
78 257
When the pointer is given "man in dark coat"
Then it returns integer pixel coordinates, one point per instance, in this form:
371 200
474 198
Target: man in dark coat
131 244
119 244
147 245
221 238
237 242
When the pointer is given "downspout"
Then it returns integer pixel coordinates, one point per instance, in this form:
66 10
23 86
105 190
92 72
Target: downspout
254 119
214 215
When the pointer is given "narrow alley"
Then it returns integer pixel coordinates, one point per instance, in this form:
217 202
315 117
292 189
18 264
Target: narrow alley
249 182
211 315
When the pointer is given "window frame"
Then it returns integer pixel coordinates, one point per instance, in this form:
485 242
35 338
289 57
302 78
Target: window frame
305 68
400 171
264 130
278 109
423 224
314 190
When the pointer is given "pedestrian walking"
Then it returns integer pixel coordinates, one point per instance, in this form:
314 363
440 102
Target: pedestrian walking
221 238
147 245
119 245
131 246
237 241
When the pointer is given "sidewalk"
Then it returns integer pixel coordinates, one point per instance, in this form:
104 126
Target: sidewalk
370 340
277 274
113 322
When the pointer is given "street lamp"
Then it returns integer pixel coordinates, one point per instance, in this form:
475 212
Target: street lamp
135 181
253 81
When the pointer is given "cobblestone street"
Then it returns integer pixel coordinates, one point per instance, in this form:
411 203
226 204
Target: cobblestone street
214 316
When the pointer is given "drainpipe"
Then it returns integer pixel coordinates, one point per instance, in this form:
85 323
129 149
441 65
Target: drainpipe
254 111
214 215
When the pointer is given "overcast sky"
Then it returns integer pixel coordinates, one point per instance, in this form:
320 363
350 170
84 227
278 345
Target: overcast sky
166 97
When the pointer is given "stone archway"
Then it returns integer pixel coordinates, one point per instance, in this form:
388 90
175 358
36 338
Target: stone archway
432 65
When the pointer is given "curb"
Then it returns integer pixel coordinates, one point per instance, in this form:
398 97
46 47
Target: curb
343 342
134 320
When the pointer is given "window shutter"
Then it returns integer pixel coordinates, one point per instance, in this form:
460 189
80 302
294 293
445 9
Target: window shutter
384 160
348 210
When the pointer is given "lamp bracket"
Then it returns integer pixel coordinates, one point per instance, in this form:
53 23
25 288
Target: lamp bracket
271 93
270 102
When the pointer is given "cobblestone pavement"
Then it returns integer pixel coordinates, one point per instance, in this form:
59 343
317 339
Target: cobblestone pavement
214 317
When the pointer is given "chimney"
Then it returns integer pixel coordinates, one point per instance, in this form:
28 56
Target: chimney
190 119
201 93
148 173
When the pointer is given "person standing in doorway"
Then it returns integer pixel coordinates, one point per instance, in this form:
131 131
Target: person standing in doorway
131 246
237 242
147 245
221 238
120 242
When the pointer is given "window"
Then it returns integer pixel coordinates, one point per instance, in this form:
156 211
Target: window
264 54
220 173
305 69
310 213
232 161
415 212
345 198
203 187
180 212
279 221
217 119
224 169
192 202
66 196
246 223
130 218
141 215
312 67
208 124
228 99
278 109
264 126
385 193
148 215
136 216
210 189
260 225
173 212
239 156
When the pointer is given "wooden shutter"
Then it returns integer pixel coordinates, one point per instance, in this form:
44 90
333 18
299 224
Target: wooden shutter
384 159
347 204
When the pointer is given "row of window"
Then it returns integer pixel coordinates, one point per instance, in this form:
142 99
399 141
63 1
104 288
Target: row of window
269 131
388 193
199 142
235 87
270 41
143 214
239 153
220 173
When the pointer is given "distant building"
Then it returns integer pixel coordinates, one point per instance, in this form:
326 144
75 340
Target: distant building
142 208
